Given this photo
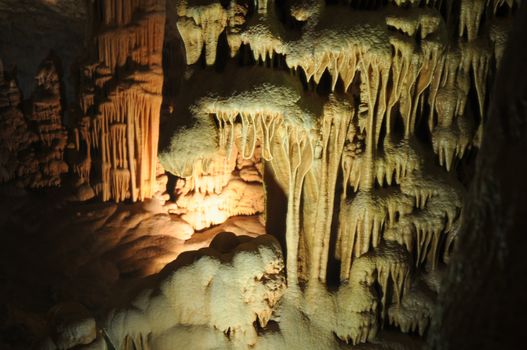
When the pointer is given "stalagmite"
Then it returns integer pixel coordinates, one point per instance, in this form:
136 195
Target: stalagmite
33 145
16 138
204 292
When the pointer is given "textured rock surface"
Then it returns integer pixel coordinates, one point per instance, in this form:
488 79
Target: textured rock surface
118 131
33 143
228 287
348 130
402 94
480 301
16 137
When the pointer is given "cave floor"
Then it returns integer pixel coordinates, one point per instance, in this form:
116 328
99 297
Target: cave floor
53 250
98 254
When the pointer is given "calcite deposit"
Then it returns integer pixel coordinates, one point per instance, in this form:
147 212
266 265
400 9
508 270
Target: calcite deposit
119 128
368 163
15 134
253 174
34 143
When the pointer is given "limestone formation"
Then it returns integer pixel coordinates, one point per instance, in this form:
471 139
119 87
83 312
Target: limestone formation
347 130
247 275
16 137
406 96
33 144
118 133
233 187
46 118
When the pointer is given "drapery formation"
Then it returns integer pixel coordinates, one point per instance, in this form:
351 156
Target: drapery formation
121 100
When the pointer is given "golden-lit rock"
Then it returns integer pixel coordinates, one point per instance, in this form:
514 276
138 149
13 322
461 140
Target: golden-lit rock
120 133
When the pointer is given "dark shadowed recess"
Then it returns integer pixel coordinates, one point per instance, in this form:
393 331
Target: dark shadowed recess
483 303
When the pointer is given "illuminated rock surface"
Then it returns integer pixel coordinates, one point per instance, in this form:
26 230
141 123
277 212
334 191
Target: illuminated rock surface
119 129
267 175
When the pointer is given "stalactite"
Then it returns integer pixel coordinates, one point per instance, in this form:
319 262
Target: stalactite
357 304
123 130
413 312
470 17
262 33
335 124
393 268
201 26
192 37
298 150
392 72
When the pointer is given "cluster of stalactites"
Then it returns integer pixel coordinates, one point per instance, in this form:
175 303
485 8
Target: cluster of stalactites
400 204
256 127
201 26
231 186
262 33
124 134
121 13
464 68
392 82
242 133
420 206
358 306
472 12
117 12
119 132
141 42
280 140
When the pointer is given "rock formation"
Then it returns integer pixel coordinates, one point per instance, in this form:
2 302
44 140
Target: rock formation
347 130
406 91
33 144
15 134
121 100
46 118
229 286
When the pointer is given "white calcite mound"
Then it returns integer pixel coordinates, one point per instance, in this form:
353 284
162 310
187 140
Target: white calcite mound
221 291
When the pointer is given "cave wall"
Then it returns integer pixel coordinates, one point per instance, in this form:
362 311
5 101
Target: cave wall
32 28
482 305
